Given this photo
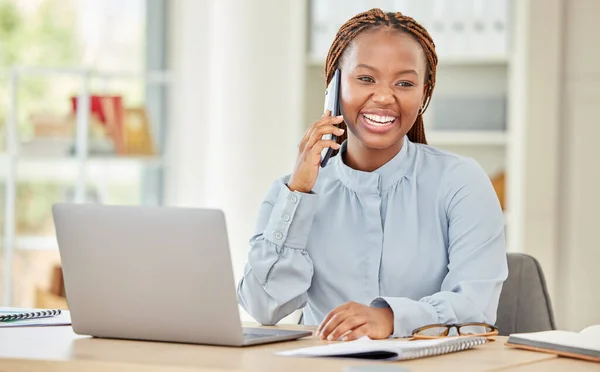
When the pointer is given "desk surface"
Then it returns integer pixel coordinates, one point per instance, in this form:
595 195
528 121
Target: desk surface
59 349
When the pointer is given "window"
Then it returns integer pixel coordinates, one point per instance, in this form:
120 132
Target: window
55 51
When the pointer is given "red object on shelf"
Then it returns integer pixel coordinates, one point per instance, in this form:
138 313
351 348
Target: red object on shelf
96 105
110 111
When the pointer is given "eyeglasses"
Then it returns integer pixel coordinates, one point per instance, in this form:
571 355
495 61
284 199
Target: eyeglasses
464 329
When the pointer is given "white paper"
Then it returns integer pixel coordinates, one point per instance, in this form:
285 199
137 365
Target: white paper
592 331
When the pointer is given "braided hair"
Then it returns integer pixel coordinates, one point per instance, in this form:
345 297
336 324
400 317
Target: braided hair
376 18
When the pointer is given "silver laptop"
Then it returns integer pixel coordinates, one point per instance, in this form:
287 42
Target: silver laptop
152 273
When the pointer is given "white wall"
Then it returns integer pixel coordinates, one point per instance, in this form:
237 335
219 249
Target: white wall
235 104
534 120
555 176
188 46
579 253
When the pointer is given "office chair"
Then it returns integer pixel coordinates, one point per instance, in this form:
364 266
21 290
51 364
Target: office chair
524 302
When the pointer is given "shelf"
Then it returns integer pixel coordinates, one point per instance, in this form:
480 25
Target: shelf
124 159
36 243
499 60
154 77
467 137
96 159
113 169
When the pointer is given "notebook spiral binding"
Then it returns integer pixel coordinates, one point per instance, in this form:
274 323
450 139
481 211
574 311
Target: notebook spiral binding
30 315
459 344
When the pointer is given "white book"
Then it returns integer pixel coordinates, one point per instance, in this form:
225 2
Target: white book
388 349
478 29
457 14
582 345
439 23
497 13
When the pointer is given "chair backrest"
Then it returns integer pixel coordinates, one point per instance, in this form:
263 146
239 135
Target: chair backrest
524 302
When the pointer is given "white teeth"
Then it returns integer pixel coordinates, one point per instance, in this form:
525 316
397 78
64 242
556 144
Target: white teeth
379 120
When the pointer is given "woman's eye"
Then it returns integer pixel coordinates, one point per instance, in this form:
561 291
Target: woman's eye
405 84
366 79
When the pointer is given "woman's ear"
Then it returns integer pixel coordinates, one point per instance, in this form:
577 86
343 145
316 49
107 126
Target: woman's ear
423 98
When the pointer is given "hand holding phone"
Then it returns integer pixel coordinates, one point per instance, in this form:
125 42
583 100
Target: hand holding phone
332 104
318 142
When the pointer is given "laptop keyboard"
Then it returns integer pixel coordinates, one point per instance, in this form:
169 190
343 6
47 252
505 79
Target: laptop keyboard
270 333
249 335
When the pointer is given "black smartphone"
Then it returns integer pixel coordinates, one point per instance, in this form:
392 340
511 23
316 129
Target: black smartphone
332 103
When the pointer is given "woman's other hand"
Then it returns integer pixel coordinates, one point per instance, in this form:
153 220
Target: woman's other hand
351 321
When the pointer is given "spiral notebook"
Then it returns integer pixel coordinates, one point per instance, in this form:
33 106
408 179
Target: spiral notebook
388 349
9 316
19 317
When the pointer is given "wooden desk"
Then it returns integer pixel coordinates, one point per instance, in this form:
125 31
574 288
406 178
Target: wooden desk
59 349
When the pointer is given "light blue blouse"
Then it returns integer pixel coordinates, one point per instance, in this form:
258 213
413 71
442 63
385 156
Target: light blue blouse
423 234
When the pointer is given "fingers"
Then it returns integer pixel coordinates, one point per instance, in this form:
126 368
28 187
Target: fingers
329 120
310 129
347 326
330 315
327 318
316 131
352 321
343 307
337 316
332 324
319 132
357 333
324 123
315 154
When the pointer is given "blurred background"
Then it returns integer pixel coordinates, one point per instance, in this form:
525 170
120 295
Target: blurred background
202 103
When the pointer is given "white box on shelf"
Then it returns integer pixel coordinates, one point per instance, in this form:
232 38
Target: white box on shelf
481 113
465 137
47 147
36 243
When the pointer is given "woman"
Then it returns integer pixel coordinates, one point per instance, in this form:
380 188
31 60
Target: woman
392 234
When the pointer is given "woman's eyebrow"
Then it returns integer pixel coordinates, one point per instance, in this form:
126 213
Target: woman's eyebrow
367 67
402 72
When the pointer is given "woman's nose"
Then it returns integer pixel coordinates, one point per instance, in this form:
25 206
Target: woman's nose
383 97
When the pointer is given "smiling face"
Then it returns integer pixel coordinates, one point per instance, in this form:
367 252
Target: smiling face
382 88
